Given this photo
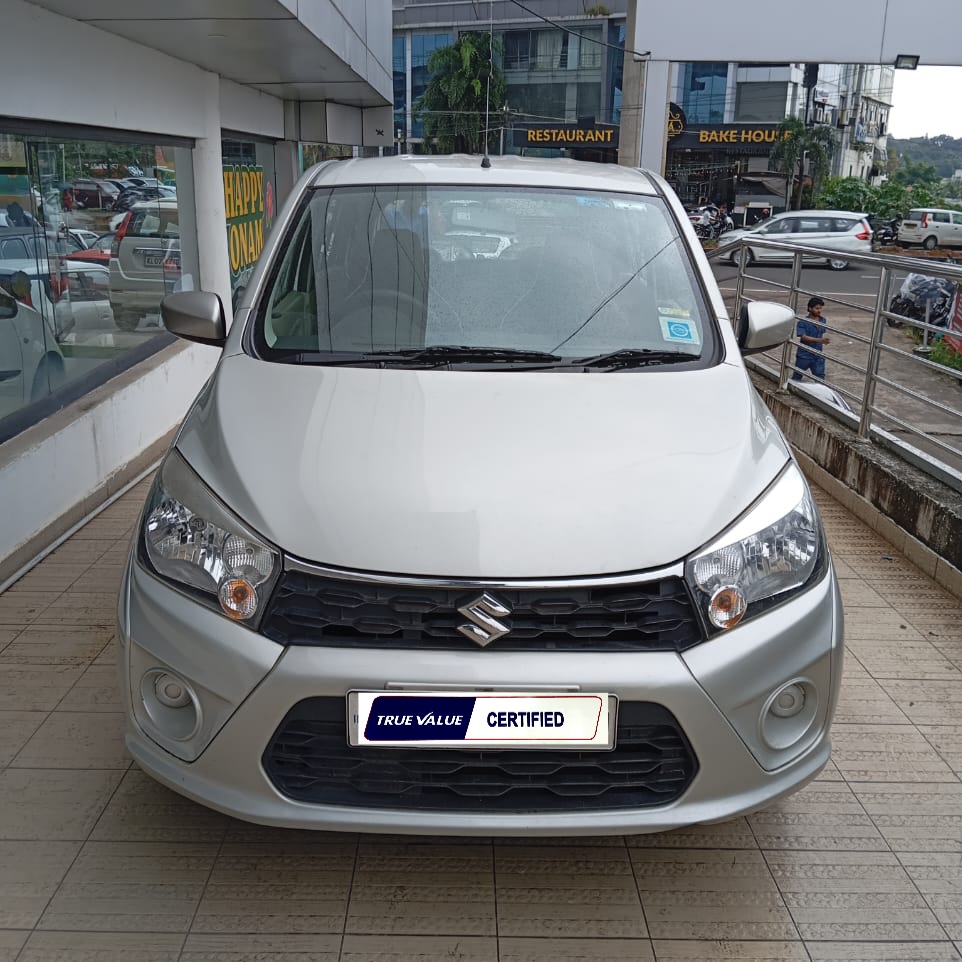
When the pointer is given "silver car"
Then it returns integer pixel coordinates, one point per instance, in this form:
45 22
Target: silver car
839 231
497 543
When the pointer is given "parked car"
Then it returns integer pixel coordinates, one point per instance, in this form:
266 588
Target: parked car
94 194
842 232
98 252
83 236
488 545
931 228
144 261
21 243
31 362
69 296
132 196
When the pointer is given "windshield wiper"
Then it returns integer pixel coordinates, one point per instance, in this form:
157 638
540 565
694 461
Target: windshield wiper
632 357
434 356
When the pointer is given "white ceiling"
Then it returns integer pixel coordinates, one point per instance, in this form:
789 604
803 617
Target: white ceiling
261 43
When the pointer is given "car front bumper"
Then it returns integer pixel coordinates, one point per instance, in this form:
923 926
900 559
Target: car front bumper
245 684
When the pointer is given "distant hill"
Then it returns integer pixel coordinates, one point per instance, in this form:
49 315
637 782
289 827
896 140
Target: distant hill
943 151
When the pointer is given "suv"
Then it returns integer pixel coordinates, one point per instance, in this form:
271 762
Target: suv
91 193
931 228
472 537
840 231
144 261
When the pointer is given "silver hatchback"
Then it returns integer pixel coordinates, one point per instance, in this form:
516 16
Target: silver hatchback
475 537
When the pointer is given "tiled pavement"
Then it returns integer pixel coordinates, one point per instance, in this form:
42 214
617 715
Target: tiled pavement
99 863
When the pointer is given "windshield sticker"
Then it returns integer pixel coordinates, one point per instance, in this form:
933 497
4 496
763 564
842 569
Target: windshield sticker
674 312
679 331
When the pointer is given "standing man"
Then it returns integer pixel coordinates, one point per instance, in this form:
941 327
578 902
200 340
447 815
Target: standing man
811 332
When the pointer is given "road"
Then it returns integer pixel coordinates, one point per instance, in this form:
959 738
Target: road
858 284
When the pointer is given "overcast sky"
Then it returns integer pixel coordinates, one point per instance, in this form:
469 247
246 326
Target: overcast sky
927 101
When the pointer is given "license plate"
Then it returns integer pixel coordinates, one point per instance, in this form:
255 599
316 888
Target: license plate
481 719
154 260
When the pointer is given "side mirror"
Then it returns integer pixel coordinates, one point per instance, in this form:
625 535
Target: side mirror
8 306
195 316
763 325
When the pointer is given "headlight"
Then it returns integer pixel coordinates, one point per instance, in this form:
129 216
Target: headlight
770 553
191 538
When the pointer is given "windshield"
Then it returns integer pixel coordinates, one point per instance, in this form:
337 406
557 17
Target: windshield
493 274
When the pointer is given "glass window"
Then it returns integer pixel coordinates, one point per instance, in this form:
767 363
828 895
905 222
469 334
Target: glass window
399 66
957 218
940 217
371 269
422 46
616 60
86 308
706 85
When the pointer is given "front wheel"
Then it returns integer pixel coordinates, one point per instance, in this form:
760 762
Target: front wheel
930 243
126 320
837 264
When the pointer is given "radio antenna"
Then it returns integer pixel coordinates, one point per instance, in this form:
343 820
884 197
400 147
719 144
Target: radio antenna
486 160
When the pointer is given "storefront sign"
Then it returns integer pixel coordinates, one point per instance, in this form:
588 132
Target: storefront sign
677 121
744 136
244 198
604 136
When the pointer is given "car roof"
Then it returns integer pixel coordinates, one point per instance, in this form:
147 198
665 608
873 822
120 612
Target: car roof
936 210
163 203
466 169
821 213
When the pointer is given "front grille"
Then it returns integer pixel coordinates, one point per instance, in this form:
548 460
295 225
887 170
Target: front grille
310 609
309 760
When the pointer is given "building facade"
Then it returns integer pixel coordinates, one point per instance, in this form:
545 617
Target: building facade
176 151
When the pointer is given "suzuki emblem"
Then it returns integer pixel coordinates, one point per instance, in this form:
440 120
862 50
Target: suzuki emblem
484 613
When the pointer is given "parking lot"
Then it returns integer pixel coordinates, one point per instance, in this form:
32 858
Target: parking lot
97 862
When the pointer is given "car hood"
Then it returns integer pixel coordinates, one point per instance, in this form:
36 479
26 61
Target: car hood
483 474
731 236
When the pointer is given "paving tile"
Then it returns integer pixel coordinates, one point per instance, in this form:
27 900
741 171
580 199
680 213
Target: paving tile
101 947
26 687
10 944
863 701
711 950
64 805
29 875
131 887
736 833
55 644
418 948
48 578
101 528
98 580
574 950
938 876
83 551
81 608
859 594
76 740
7 635
97 690
823 816
880 753
915 817
878 623
23 608
293 888
578 892
904 659
142 810
419 888
924 702
882 952
16 727
947 741
835 896
248 947
710 895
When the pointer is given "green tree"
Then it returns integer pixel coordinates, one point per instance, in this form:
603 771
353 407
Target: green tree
848 193
797 145
917 172
452 107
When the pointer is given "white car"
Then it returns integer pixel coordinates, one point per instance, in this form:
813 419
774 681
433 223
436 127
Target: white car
839 231
497 543
31 362
931 228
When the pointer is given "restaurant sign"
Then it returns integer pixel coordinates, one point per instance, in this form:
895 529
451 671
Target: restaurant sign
603 136
741 137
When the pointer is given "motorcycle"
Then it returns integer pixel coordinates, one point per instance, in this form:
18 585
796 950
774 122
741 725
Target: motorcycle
710 223
888 233
922 298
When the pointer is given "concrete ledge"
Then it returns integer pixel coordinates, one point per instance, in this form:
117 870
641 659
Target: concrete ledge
917 514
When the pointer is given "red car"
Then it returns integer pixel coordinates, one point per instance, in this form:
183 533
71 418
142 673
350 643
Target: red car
97 253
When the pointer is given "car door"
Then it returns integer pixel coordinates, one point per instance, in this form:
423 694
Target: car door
779 228
956 235
11 358
813 231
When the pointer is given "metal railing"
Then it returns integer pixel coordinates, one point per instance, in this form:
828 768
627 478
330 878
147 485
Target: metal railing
880 378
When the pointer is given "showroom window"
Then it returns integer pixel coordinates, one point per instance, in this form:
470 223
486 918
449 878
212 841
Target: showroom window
93 234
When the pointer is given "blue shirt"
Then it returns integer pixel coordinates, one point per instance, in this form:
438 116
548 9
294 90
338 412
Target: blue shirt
810 328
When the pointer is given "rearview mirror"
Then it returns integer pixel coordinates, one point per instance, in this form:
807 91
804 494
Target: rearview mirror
195 316
763 325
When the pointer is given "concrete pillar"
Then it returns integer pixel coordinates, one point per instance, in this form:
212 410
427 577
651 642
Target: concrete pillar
213 255
654 115
632 85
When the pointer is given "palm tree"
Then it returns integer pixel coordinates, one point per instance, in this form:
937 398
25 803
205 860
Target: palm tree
796 143
453 105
